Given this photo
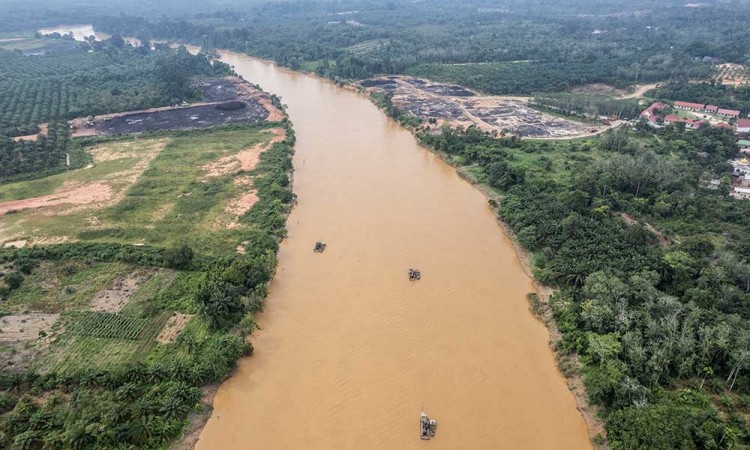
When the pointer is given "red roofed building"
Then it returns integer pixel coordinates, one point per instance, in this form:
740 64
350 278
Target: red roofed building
700 124
650 112
726 126
694 124
688 105
669 118
743 126
712 108
728 113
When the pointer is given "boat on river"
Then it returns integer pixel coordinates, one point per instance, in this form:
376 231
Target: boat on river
320 247
414 274
427 427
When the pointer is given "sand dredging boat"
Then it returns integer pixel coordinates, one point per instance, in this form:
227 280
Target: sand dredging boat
427 427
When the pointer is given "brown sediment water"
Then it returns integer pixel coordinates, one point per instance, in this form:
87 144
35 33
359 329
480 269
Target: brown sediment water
80 32
350 350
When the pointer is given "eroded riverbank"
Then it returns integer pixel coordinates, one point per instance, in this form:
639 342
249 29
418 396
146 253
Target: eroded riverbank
350 350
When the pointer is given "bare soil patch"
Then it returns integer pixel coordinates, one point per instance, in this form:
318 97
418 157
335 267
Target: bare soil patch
15 244
118 294
173 327
246 91
239 206
43 129
457 106
244 160
82 195
25 327
79 195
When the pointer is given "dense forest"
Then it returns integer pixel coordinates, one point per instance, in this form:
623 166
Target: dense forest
508 47
660 319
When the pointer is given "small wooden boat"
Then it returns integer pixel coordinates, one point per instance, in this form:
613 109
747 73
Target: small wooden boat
414 274
320 247
427 427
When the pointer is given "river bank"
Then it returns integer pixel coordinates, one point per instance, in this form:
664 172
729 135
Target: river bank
568 364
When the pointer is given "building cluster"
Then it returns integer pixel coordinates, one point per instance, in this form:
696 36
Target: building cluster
713 109
741 178
653 116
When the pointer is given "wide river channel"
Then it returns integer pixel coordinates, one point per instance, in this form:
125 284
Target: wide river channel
350 350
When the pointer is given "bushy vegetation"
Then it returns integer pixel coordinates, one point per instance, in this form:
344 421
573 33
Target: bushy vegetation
651 271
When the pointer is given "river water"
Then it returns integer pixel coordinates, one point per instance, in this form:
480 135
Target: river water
350 351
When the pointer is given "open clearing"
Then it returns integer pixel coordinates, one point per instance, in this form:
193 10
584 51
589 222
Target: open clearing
116 296
229 100
732 74
25 327
71 315
458 106
174 326
145 191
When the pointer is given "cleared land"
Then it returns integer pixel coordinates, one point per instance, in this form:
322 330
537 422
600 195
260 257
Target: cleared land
153 191
229 100
458 106
732 74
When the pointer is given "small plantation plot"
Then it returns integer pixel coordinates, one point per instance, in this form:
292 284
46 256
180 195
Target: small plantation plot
94 340
106 325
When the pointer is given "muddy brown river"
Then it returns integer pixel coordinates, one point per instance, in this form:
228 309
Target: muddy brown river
350 350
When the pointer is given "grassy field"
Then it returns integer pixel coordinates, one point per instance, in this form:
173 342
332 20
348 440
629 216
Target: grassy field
54 287
161 191
135 277
100 341
159 194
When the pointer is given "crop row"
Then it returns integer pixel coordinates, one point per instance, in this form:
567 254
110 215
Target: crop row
106 325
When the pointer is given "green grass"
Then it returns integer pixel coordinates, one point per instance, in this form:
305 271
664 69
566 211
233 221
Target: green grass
54 286
105 325
26 44
72 352
556 160
169 204
166 205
